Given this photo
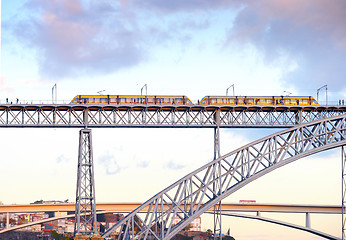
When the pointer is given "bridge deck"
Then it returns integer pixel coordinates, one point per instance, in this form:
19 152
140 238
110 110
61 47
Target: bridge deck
169 116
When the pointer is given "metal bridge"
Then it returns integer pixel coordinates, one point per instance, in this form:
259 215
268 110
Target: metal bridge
313 129
208 185
112 115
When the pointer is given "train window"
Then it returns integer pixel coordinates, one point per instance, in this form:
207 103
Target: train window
122 100
287 101
103 100
113 100
250 101
178 101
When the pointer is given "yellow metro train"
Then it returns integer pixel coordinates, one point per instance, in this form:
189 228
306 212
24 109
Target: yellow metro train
183 100
258 100
130 99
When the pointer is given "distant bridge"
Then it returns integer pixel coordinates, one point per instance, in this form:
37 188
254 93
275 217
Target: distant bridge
228 209
128 207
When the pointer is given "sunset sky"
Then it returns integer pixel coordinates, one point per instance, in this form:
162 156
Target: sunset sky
182 47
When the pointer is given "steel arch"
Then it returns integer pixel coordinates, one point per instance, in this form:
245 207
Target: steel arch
194 194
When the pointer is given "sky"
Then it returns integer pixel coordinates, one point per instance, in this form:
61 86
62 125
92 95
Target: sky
183 47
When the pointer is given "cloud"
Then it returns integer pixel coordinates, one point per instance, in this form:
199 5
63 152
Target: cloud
186 5
174 166
143 164
101 37
62 158
110 164
73 39
97 37
311 31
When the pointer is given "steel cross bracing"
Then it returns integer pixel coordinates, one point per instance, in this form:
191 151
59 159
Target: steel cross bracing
238 168
13 115
85 209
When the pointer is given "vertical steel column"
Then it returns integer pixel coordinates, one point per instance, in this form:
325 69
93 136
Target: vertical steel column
307 220
85 213
7 220
217 178
343 163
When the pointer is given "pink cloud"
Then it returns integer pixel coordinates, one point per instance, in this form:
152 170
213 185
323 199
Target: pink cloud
73 39
323 17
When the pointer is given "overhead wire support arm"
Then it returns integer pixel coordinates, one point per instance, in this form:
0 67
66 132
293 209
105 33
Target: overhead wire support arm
54 94
146 90
232 86
318 90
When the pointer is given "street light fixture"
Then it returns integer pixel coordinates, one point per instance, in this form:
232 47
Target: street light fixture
232 86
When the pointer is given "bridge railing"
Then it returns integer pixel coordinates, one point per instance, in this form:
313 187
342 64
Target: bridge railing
32 101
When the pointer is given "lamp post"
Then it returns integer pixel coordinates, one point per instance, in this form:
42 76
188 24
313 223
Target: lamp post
232 86
318 90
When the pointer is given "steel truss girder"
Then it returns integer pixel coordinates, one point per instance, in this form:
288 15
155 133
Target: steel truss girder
161 116
238 168
85 213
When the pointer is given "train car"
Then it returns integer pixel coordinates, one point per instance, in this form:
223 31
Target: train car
130 99
258 100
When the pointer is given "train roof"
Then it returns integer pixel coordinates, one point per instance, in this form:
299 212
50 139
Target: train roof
257 96
130 95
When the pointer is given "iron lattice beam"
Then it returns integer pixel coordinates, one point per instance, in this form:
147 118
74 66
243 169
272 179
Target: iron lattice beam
85 213
162 116
234 170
